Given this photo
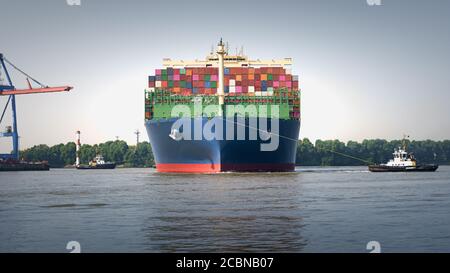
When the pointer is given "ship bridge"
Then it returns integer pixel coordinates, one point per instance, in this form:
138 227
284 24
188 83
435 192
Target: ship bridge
212 60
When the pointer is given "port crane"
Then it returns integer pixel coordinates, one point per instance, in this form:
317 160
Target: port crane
10 91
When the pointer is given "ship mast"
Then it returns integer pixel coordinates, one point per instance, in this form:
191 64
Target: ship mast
220 90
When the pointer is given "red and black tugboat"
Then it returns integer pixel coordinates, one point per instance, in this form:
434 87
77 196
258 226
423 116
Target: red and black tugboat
403 162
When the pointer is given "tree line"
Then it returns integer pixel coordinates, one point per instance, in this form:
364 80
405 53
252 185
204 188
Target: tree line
352 153
320 153
118 151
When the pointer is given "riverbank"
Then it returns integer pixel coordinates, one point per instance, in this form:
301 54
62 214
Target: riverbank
321 153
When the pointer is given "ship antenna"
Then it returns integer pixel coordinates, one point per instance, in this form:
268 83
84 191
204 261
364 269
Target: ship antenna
404 141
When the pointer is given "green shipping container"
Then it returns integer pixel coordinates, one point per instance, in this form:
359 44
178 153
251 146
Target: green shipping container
183 84
206 77
170 84
269 77
182 71
164 77
213 84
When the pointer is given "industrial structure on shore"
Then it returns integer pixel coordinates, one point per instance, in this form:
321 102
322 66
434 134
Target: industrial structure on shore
11 161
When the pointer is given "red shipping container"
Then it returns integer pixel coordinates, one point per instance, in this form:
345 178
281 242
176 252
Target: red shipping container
176 71
176 83
278 70
295 85
288 77
244 77
238 83
251 83
151 84
164 84
257 77
244 82
244 89
282 84
269 83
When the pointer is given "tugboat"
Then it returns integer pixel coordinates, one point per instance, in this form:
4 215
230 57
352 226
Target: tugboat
403 162
97 163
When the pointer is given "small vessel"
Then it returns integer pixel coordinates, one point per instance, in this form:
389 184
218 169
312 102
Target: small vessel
97 163
11 164
403 162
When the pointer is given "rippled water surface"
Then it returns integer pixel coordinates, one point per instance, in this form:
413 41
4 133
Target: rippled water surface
311 210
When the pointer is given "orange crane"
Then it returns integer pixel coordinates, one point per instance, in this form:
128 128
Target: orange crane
11 91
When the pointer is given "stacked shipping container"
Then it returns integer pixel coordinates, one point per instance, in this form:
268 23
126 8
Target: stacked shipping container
238 80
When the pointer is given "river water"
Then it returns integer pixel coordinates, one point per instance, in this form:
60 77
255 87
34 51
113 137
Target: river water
315 209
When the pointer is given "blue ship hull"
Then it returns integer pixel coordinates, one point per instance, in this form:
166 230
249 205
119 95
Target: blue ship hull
221 155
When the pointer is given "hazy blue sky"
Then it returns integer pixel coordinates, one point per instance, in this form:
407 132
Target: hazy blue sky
366 71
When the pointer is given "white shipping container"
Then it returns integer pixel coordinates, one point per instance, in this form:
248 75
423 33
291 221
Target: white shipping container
158 84
295 77
258 93
232 89
151 89
269 93
251 89
232 83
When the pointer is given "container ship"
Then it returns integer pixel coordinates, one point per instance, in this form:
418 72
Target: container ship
226 113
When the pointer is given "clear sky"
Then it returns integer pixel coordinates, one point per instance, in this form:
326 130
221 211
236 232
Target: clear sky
365 71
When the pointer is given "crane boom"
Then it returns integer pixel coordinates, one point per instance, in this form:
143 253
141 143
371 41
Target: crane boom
11 91
35 90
